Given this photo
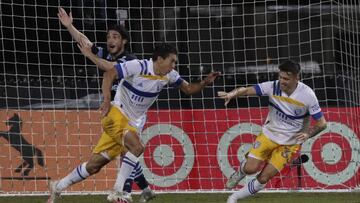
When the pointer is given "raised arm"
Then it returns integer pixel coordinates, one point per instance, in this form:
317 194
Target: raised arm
192 88
67 21
101 63
237 92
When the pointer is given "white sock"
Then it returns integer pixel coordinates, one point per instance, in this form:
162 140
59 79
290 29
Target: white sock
127 166
78 174
251 188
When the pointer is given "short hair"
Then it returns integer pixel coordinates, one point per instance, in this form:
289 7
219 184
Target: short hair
121 30
163 50
290 66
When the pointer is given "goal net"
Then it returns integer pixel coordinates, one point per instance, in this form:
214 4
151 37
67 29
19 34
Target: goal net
49 93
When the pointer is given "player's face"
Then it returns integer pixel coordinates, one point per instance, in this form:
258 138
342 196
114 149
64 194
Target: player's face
115 43
288 81
168 64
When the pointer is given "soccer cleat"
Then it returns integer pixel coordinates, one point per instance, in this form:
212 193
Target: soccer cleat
146 195
231 200
54 193
234 179
119 197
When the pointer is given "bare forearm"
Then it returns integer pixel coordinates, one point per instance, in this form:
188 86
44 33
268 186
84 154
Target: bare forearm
106 87
243 91
101 63
316 130
77 35
194 88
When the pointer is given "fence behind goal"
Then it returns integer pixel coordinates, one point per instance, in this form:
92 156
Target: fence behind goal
50 94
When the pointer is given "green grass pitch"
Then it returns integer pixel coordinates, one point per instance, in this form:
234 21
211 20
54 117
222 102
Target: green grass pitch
206 198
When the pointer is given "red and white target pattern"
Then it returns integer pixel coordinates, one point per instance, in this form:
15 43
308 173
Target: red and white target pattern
169 154
188 149
333 155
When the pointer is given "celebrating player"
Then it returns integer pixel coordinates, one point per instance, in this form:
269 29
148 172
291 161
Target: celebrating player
140 84
117 38
291 103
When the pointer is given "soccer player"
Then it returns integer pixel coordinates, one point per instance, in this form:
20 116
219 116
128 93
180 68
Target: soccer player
291 103
117 38
140 84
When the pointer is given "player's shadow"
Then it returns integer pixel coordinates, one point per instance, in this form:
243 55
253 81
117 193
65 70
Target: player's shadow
17 141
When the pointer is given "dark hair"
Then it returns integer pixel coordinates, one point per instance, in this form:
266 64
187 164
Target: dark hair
290 66
163 50
120 29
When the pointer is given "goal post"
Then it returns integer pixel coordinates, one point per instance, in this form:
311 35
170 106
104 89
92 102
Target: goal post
49 93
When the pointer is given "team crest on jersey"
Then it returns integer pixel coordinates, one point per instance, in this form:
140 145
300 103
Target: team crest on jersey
256 144
298 112
286 153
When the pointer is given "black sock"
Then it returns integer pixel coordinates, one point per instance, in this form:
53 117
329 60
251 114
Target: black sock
128 185
141 182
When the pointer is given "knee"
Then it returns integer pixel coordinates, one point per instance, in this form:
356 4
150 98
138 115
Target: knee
263 179
92 168
133 144
137 150
250 169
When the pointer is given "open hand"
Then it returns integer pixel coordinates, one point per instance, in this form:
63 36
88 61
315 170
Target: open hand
211 77
227 96
65 19
302 137
85 47
105 108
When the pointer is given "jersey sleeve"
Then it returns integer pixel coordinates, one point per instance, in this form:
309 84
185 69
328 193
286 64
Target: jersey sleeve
265 88
175 79
128 69
313 106
99 51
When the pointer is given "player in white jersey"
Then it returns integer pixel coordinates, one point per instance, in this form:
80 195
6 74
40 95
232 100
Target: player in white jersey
140 84
115 51
291 103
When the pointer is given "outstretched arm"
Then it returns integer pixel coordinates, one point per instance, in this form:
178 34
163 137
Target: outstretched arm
101 63
237 92
67 21
192 88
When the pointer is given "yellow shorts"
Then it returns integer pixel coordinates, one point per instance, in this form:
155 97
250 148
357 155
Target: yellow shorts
277 155
115 125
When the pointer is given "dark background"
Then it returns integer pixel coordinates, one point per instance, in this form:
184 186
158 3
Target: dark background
40 64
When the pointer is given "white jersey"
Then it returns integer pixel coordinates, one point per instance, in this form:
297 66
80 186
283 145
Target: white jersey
289 114
139 87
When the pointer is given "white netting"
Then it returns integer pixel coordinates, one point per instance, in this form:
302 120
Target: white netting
193 143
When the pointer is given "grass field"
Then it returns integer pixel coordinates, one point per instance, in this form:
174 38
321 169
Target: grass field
208 198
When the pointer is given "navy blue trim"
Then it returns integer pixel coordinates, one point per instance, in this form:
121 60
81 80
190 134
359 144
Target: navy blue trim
318 115
119 71
139 92
278 90
146 67
251 187
258 90
129 161
289 116
178 82
274 88
142 68
78 170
